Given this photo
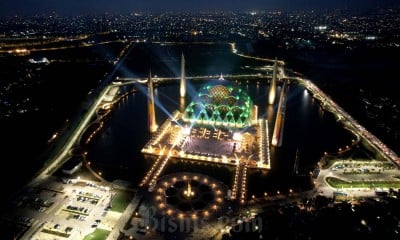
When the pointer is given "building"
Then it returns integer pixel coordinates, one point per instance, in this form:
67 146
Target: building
219 126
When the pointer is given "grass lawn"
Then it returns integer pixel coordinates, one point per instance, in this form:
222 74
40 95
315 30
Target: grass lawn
121 200
98 234
338 183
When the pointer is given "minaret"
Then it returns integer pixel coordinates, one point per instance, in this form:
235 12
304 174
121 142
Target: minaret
150 105
255 114
272 87
182 104
277 136
183 82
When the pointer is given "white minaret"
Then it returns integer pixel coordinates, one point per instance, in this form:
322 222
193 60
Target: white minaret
272 87
255 114
183 82
150 105
277 135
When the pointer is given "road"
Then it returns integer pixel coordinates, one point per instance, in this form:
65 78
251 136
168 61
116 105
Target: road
61 156
349 121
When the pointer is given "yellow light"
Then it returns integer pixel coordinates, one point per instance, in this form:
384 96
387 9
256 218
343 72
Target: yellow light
186 131
237 136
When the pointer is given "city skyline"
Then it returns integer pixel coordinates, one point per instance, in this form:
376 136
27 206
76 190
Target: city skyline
75 7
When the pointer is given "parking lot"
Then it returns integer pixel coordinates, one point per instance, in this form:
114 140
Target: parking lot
56 209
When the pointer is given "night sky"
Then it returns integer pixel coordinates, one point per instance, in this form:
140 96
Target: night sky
73 7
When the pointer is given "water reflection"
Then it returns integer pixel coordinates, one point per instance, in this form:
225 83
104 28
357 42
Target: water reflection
117 150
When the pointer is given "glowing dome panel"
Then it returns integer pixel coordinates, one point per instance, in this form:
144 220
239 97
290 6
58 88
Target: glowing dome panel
220 104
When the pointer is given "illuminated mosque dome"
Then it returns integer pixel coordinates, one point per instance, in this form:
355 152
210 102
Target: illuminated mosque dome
220 103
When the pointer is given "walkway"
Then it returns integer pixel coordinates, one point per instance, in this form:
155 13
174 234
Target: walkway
240 183
152 175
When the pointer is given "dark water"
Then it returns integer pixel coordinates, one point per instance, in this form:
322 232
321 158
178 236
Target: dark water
307 128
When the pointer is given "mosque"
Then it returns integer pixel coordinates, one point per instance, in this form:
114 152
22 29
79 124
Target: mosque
220 125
